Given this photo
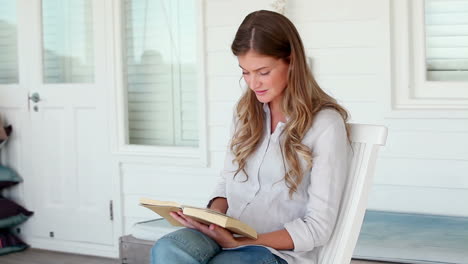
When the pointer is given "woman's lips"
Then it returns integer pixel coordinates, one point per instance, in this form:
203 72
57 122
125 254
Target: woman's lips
261 92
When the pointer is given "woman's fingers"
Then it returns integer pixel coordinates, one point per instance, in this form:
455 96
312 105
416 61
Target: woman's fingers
181 219
220 235
189 222
197 225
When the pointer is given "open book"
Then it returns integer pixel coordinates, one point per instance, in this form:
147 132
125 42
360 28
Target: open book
203 215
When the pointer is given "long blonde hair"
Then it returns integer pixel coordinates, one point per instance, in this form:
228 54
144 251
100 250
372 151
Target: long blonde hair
272 34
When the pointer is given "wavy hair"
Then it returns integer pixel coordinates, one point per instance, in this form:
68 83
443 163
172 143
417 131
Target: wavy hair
272 34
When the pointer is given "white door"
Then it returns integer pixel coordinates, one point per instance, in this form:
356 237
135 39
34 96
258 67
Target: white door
62 70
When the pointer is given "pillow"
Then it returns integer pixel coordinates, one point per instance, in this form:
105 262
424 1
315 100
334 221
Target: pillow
10 243
8 177
12 214
4 184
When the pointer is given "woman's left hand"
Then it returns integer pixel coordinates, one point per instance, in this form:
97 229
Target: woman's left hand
221 235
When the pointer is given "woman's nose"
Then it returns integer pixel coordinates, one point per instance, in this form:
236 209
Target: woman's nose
254 83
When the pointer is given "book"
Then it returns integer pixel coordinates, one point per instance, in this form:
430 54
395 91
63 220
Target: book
202 215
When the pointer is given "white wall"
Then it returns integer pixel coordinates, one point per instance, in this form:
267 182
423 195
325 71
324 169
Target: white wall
423 168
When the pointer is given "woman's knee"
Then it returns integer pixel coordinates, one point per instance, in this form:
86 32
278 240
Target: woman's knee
167 249
162 245
248 254
187 244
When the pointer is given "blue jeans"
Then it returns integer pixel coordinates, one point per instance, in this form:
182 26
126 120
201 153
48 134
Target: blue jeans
189 246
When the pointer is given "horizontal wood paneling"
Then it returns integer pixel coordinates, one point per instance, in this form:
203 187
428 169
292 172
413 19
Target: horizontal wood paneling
221 113
316 10
428 124
433 173
217 159
219 38
339 34
225 88
222 63
365 87
427 144
398 198
220 142
344 61
231 13
366 112
152 177
185 185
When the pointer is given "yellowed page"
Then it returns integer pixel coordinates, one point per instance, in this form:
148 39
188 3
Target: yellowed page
162 208
160 203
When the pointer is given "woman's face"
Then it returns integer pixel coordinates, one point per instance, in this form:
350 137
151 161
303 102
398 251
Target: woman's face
266 76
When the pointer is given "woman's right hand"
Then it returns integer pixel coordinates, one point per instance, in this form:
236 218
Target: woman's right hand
221 235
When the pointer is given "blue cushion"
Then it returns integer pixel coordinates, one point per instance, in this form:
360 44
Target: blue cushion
10 243
152 229
12 214
8 177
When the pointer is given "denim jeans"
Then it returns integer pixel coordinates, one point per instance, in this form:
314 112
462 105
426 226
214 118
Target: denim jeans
189 246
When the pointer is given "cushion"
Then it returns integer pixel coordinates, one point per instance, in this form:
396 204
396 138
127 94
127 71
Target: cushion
12 214
10 243
153 229
8 177
4 184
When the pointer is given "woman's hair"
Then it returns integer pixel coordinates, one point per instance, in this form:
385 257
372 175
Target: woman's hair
272 34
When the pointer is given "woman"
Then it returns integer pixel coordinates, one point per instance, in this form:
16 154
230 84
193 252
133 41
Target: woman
285 171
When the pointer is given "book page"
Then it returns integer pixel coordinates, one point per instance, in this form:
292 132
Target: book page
159 203
162 208
205 210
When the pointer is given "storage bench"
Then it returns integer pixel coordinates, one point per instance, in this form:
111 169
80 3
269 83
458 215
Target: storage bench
135 247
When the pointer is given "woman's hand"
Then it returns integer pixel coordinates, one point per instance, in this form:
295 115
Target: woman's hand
221 235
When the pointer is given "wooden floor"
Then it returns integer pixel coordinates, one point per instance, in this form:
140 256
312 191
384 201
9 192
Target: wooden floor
36 256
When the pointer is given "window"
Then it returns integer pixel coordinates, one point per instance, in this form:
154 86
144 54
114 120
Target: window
446 27
161 72
67 28
430 54
8 43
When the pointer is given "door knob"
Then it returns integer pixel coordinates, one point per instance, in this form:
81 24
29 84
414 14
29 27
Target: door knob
35 97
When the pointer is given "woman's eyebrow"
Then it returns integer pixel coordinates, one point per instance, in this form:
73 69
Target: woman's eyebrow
255 69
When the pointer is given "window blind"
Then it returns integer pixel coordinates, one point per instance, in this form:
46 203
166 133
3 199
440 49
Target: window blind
160 70
8 43
446 40
68 55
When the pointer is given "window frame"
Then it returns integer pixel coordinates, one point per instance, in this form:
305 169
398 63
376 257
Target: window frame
16 81
179 154
411 90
